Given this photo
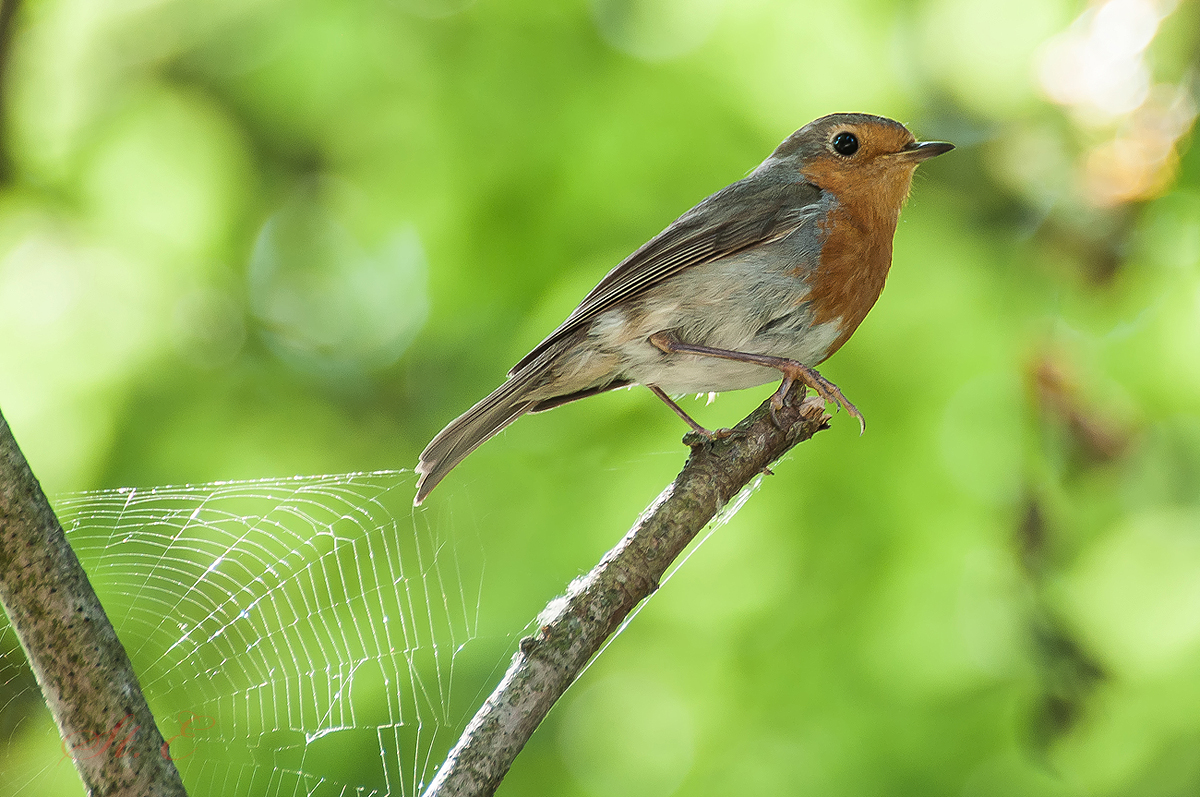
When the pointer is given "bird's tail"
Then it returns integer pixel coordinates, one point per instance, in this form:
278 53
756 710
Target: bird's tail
474 427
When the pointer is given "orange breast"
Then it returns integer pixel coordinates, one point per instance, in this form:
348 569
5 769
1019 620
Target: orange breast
855 258
857 234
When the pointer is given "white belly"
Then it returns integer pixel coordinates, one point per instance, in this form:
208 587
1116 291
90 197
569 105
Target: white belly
740 307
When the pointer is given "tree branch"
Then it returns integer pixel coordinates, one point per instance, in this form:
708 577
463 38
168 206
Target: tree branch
572 628
84 673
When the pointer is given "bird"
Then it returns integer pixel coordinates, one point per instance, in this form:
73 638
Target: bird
766 278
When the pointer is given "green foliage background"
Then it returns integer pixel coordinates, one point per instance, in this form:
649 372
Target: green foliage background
250 238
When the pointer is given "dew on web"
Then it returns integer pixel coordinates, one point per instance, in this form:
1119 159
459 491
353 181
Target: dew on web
292 636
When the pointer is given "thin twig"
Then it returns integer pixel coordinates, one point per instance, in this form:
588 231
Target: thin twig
84 673
572 628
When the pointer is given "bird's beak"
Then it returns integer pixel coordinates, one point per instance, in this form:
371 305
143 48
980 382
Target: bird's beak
924 150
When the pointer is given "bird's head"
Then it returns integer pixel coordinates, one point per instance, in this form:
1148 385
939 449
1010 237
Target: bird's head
866 161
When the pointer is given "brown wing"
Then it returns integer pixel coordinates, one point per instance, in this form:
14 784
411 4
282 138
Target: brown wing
748 213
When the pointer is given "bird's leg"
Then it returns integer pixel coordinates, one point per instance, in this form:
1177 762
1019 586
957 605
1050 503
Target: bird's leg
697 428
792 372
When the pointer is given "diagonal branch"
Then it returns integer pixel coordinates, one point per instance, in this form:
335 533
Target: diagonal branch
84 673
571 629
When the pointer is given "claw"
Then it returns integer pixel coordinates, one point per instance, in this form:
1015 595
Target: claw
779 400
829 392
850 409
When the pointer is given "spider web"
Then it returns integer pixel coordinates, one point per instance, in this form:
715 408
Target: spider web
291 636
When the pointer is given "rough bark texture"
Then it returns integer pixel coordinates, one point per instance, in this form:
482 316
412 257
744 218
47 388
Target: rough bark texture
572 628
84 673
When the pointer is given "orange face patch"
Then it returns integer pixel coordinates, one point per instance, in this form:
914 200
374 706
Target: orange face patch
873 182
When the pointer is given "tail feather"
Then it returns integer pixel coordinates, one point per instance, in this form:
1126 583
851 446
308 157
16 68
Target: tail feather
473 428
567 398
538 385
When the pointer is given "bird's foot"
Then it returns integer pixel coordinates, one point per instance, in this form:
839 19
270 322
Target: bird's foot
826 390
781 398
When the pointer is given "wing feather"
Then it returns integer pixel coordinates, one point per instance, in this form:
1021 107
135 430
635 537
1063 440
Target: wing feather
738 217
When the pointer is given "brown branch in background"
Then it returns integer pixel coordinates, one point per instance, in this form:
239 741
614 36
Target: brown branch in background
1100 436
84 673
8 16
1091 436
572 629
1068 673
1092 248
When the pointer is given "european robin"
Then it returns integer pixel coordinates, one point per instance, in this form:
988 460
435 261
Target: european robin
768 276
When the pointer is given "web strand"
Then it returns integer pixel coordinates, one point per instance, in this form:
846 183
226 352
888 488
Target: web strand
291 635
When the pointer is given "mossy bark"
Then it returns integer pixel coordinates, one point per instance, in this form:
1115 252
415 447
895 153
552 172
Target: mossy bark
81 666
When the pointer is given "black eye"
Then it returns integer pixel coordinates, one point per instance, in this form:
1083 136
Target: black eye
845 144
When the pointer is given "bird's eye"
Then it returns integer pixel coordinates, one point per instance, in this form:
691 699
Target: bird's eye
845 144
